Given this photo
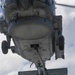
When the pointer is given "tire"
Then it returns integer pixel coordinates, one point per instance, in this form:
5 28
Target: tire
5 47
53 42
13 51
61 42
56 57
63 57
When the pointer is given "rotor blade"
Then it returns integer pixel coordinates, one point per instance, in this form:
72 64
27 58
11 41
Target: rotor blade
65 5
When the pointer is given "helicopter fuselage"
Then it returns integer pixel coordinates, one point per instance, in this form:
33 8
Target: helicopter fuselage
35 29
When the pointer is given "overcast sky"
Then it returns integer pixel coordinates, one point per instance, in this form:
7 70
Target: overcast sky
10 64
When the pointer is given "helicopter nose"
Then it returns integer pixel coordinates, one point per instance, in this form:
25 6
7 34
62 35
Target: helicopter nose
30 28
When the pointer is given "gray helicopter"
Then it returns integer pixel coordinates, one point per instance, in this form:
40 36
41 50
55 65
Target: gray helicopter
35 29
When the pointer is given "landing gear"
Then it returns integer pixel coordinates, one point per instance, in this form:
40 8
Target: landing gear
61 42
13 49
53 42
63 57
6 44
5 47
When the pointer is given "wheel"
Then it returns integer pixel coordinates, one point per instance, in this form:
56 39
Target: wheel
63 57
56 57
5 47
61 42
13 49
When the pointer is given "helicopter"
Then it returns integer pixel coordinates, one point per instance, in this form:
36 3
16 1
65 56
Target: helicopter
35 29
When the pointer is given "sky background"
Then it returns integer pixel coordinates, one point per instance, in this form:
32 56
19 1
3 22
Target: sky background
10 64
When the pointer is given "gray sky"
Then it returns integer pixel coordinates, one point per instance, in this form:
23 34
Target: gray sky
10 64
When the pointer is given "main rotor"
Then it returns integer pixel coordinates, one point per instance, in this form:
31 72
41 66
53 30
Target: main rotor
65 5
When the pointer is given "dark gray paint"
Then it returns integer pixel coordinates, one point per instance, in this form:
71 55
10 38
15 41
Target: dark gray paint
61 71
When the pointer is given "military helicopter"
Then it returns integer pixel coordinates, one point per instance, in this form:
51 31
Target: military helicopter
35 30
